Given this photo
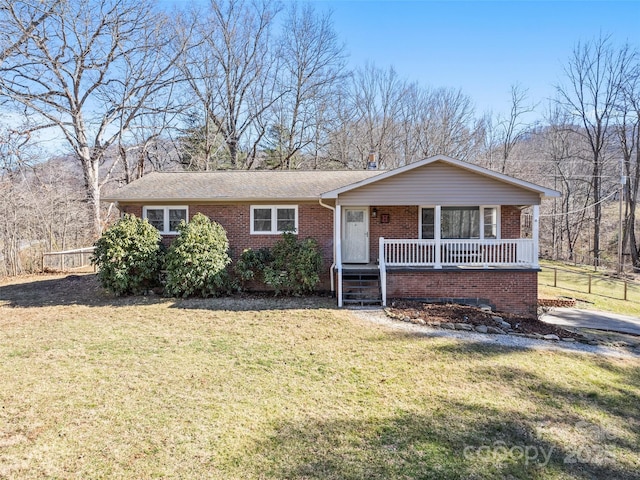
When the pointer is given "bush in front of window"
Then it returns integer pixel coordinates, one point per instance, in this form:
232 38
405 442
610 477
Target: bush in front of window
128 256
251 264
196 261
295 266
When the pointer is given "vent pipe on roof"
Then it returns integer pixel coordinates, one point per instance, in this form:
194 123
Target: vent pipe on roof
372 164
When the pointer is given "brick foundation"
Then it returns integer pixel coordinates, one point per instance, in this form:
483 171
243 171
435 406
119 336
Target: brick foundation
514 291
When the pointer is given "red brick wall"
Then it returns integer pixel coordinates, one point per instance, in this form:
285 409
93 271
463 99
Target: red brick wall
510 221
510 291
313 221
403 223
132 209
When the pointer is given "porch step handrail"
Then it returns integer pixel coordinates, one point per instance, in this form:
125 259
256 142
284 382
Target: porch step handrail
383 270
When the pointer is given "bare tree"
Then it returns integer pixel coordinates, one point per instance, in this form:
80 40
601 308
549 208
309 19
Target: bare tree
88 71
375 99
41 206
402 122
27 16
513 127
504 132
446 124
595 75
560 147
628 130
311 63
230 68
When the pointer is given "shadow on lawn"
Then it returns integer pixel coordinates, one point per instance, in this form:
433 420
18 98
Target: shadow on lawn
83 289
244 303
43 291
467 441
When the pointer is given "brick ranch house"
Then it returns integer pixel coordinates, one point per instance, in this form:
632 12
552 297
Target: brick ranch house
437 229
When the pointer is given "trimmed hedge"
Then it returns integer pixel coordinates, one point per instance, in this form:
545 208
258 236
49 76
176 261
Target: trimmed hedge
128 256
197 259
291 266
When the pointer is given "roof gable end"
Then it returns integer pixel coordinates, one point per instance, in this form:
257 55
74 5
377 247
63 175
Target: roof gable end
542 191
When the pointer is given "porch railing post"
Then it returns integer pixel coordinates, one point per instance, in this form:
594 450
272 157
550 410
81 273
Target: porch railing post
535 232
338 243
382 265
437 238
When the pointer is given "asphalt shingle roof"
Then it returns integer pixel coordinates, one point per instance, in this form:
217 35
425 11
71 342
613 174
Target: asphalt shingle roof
247 185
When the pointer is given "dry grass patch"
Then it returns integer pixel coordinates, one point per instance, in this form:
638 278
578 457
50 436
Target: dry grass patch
573 282
96 387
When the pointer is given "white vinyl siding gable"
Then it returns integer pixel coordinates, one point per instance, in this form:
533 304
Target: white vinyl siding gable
439 183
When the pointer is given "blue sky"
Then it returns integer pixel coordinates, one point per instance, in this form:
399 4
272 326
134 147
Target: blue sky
481 47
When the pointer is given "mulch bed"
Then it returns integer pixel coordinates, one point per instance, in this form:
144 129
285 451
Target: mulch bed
453 313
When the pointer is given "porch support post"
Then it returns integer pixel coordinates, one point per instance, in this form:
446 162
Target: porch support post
436 236
383 271
535 233
337 241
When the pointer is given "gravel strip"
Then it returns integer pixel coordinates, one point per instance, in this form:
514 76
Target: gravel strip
379 317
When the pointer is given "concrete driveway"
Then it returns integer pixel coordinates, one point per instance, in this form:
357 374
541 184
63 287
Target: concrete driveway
575 317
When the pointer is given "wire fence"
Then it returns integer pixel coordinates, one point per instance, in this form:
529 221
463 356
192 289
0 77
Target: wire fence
587 259
595 283
68 260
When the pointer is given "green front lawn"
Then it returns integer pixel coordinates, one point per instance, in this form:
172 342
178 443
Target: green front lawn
95 387
607 292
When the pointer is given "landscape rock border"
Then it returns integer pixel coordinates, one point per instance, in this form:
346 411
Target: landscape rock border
502 328
556 302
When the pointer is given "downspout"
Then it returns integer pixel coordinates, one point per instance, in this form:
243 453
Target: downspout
333 265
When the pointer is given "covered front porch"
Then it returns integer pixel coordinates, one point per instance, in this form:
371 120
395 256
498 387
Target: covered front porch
361 245
441 227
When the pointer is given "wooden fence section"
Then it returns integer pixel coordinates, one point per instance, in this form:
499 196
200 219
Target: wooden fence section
591 283
68 260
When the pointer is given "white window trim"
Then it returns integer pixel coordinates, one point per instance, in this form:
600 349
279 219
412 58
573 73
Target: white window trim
498 224
166 209
274 219
438 219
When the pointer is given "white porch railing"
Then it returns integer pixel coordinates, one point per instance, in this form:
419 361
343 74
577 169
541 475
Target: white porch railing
476 253
521 252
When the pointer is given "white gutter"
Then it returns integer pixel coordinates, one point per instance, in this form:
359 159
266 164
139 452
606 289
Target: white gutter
333 265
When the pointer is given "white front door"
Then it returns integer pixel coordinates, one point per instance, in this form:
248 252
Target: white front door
355 235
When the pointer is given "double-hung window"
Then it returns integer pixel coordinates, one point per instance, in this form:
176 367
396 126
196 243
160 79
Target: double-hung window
165 219
460 222
274 219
